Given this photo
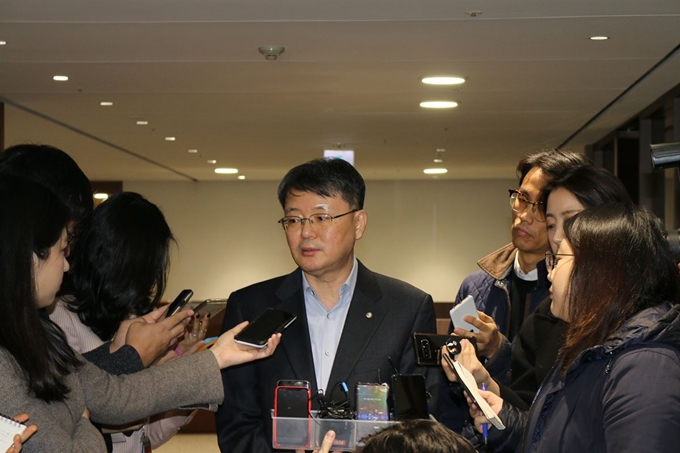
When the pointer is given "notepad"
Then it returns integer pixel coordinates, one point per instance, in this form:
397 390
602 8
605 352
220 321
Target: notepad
468 380
8 429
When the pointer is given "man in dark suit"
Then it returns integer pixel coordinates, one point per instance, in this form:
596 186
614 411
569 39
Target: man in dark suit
351 322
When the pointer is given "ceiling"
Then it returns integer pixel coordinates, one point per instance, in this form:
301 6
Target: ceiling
349 78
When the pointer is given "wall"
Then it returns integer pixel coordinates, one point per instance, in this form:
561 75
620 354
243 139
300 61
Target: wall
428 233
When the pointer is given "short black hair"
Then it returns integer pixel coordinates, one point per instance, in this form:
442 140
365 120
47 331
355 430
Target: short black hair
326 178
54 169
416 436
554 163
591 185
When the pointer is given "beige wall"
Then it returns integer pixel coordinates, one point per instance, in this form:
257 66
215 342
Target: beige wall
428 233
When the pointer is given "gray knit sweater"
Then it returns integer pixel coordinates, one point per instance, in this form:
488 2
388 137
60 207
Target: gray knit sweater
113 400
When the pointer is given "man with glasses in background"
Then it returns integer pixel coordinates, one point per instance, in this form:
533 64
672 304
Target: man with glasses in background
352 325
513 280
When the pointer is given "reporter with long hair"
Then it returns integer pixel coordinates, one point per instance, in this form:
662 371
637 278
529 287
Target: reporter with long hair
616 385
42 376
119 268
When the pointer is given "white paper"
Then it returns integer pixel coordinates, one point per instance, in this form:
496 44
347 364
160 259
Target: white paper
468 380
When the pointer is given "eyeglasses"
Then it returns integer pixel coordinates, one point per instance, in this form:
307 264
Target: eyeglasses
519 203
318 221
551 259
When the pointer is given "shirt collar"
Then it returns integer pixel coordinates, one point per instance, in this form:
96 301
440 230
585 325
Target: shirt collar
346 288
529 276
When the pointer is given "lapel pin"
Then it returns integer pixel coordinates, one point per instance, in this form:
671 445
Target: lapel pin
369 315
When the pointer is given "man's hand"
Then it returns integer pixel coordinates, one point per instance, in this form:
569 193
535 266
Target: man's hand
489 339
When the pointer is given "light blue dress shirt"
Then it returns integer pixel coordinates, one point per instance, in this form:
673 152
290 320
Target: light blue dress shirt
325 327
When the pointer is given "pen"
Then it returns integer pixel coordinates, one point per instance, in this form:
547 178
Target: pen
208 340
485 426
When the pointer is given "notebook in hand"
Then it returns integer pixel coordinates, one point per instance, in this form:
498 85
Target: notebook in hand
8 429
468 381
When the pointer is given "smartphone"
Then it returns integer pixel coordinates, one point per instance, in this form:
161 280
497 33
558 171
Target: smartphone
428 346
371 401
466 307
292 401
409 396
180 301
211 307
292 383
264 326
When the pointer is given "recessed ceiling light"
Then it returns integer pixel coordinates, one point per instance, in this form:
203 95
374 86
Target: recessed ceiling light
101 196
599 38
435 171
169 139
142 123
3 43
193 151
241 177
106 104
439 104
226 171
60 78
438 161
212 161
443 80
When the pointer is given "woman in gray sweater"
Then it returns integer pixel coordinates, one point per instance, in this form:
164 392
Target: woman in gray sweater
42 376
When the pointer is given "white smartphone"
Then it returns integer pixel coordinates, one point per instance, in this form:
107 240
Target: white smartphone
466 307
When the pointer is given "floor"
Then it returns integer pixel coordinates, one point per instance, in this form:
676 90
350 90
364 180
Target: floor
183 443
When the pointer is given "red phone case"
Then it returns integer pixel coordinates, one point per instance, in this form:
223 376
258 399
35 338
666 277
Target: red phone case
291 427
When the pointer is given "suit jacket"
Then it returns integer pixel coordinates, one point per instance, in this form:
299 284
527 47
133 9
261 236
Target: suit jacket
382 315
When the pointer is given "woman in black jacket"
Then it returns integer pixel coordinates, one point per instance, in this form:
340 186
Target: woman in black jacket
616 385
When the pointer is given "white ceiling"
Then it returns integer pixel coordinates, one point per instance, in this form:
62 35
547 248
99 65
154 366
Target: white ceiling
349 77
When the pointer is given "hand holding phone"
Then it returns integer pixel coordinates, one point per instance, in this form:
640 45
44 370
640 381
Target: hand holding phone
180 301
466 307
271 321
427 347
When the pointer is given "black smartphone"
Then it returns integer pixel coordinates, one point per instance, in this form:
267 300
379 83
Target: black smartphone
180 301
409 396
292 402
211 307
371 401
427 347
264 326
292 383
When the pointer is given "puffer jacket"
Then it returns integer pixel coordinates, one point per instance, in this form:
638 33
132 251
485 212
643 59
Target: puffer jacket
490 286
621 396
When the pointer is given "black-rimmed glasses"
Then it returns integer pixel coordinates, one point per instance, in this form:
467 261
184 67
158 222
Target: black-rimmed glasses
519 202
551 259
318 221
